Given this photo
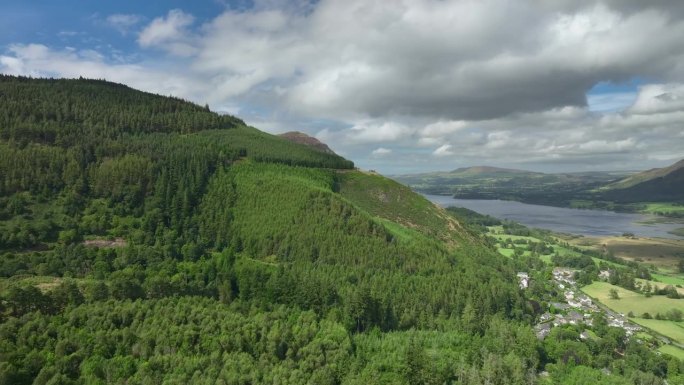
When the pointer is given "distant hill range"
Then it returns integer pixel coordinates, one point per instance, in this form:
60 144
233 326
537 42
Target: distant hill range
302 138
561 189
488 182
658 184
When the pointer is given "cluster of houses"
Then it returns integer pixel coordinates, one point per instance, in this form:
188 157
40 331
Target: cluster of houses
577 309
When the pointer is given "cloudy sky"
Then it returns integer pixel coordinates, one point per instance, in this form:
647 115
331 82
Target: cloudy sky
396 85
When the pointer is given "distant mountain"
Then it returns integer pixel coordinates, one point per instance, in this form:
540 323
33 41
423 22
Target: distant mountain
658 184
646 176
302 138
466 177
478 170
486 182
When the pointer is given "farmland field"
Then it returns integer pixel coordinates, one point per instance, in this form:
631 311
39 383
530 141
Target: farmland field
631 301
669 279
673 330
673 351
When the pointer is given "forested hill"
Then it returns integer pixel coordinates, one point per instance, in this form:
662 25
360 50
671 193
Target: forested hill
145 239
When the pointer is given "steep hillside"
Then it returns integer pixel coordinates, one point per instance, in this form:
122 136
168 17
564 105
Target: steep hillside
203 211
390 201
659 184
646 176
147 240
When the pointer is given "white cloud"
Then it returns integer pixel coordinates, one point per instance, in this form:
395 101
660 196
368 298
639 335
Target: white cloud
444 150
380 152
659 98
496 82
374 132
170 33
123 22
441 128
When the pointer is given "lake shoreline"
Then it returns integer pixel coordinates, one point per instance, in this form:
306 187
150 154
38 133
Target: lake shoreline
578 221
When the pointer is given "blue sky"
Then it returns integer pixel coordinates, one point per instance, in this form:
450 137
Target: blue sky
399 87
92 24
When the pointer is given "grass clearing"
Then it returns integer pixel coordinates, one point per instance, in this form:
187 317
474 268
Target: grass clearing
43 282
598 261
672 330
668 279
631 301
672 350
504 237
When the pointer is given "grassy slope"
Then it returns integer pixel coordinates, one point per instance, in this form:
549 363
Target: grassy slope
386 199
659 185
645 176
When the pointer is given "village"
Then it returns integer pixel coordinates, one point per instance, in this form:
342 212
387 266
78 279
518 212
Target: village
575 309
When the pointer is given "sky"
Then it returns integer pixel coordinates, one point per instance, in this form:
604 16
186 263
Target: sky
398 86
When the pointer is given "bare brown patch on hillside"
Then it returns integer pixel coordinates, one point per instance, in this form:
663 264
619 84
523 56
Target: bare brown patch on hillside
116 242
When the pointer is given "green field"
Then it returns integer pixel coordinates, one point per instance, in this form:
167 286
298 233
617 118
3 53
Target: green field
673 351
504 237
673 330
668 279
663 208
639 304
631 301
598 261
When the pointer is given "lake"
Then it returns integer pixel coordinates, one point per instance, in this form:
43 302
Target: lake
564 220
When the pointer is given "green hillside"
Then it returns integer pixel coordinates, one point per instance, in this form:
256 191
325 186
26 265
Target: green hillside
661 184
145 240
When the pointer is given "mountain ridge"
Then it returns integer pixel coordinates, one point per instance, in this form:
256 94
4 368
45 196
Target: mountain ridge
646 175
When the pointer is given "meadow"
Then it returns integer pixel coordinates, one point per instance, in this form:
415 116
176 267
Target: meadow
631 301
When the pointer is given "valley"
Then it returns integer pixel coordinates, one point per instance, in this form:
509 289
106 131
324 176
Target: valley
597 223
657 191
635 284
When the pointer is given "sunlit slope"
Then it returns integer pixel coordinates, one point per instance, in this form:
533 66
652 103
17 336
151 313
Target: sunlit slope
293 214
388 200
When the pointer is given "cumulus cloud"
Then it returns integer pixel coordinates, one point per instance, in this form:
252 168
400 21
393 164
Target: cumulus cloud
494 81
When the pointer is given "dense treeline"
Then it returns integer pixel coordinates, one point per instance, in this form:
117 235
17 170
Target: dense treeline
145 239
